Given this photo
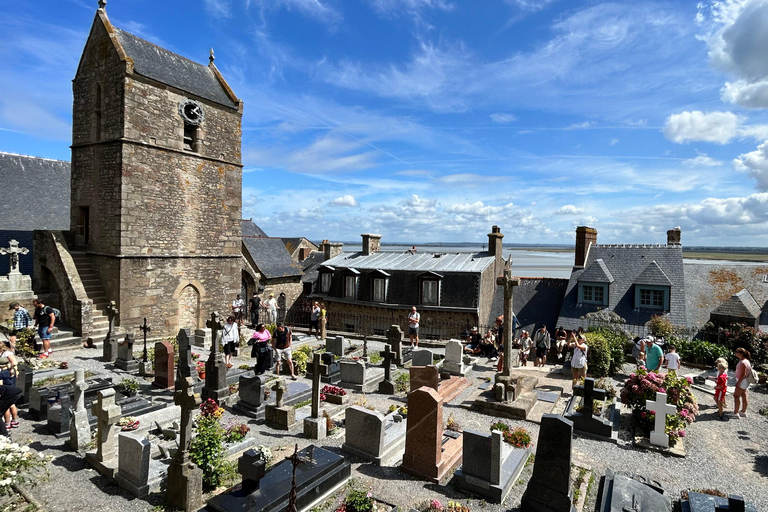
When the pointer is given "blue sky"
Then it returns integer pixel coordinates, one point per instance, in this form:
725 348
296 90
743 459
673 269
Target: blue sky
431 120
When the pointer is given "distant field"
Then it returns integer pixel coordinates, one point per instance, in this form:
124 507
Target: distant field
729 256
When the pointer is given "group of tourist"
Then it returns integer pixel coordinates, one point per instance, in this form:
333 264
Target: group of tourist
255 306
262 350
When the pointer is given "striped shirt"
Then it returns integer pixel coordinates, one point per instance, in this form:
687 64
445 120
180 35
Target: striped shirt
21 319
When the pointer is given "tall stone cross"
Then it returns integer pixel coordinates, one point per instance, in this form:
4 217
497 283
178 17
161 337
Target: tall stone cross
215 324
389 356
280 390
659 436
589 393
145 328
107 414
188 400
316 385
509 283
111 314
13 250
80 386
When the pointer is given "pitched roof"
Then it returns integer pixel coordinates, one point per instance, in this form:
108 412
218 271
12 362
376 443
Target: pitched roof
627 263
271 257
597 272
535 302
310 266
740 305
37 193
653 275
415 262
293 243
159 64
249 228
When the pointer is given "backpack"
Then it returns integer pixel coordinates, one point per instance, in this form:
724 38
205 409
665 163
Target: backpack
56 313
752 376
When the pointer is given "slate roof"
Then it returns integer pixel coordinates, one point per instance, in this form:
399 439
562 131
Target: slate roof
627 263
249 228
708 285
597 272
740 305
271 257
536 301
159 64
35 193
653 275
418 262
310 266
293 243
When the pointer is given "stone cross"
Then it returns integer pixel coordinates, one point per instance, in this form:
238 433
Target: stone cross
252 467
79 429
145 328
389 356
13 250
509 283
661 408
111 314
79 385
316 385
279 389
107 414
184 369
215 324
188 400
590 394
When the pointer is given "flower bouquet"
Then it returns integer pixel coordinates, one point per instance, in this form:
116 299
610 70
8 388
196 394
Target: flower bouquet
333 395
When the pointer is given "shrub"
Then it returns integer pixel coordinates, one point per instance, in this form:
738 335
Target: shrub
500 425
236 433
401 410
402 383
18 462
755 341
699 351
357 501
661 325
376 357
207 448
128 386
615 344
301 358
518 437
598 354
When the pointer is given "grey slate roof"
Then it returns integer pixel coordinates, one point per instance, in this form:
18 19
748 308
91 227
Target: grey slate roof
653 275
626 264
310 266
418 262
597 272
740 305
535 302
249 228
709 285
35 193
159 64
271 257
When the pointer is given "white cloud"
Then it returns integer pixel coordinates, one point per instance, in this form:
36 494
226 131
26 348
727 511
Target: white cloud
581 126
500 118
755 163
530 5
569 209
328 153
702 161
396 7
613 142
345 200
317 9
718 127
218 8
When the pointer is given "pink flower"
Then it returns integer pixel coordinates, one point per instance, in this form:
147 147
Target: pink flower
684 413
662 390
681 433
689 379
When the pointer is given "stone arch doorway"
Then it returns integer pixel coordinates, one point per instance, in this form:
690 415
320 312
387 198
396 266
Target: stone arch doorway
189 308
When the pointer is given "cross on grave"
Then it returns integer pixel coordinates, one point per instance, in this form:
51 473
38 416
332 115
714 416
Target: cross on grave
80 386
111 314
145 328
389 356
589 393
509 283
279 389
661 408
188 400
316 385
296 459
215 324
635 505
107 414
13 250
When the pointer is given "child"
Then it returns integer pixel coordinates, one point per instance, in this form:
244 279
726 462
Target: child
721 387
672 360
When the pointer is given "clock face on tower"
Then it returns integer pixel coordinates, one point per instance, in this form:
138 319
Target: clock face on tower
192 112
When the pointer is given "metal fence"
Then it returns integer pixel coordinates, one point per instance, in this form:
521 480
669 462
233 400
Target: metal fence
634 330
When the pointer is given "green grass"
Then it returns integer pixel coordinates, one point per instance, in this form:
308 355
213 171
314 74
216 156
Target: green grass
302 404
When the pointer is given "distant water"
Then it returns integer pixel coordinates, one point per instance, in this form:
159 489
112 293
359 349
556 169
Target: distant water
525 262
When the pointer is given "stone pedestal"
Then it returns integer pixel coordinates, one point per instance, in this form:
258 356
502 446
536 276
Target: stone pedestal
109 349
202 338
125 360
315 428
185 486
281 418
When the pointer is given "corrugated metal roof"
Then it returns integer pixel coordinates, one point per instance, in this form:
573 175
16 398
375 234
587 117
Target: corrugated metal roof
415 262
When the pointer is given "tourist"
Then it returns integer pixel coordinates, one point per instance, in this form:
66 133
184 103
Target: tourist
271 307
654 356
21 321
638 349
500 342
230 338
261 349
721 388
560 343
44 320
237 309
9 395
474 345
488 348
8 369
525 345
743 369
542 342
579 359
314 320
413 326
323 320
672 360
254 305
282 341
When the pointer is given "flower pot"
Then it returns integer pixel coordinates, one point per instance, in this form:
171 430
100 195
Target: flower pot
201 375
762 378
336 399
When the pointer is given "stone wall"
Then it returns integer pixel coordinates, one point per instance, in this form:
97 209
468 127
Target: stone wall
292 288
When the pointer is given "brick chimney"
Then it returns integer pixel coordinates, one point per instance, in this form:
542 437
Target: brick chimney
494 241
330 250
673 236
371 244
585 237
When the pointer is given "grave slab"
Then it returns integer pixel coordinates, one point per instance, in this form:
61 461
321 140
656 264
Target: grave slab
698 502
624 491
374 437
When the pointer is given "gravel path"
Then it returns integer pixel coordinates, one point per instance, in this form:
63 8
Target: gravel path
727 455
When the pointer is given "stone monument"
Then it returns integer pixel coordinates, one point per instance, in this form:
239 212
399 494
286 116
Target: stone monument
109 350
279 415
125 360
315 425
107 414
662 409
15 286
374 437
387 386
215 368
185 479
184 368
79 427
164 365
144 366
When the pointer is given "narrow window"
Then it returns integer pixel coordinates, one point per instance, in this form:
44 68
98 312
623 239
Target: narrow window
82 228
379 290
190 138
325 283
96 128
350 287
429 292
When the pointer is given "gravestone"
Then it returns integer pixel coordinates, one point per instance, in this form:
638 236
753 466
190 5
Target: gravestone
215 386
315 425
185 480
251 395
40 396
252 467
372 436
387 386
79 427
335 345
424 376
133 464
358 376
625 491
584 420
429 453
508 282
279 415
454 359
489 466
60 415
699 502
661 408
185 366
202 338
164 365
422 357
125 360
107 414
109 349
395 340
15 286
330 369
549 489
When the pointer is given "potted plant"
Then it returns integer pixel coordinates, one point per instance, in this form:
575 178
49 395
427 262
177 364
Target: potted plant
200 366
128 387
333 395
236 433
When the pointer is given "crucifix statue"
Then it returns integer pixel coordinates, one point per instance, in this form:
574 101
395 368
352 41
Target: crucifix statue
145 328
296 459
188 400
112 312
13 250
215 324
509 283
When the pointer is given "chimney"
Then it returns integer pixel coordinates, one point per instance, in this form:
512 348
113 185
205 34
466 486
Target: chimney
673 236
371 244
585 237
330 249
494 242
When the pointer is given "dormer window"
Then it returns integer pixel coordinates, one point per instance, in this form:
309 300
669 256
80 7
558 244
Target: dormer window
429 288
593 293
351 277
652 297
379 285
